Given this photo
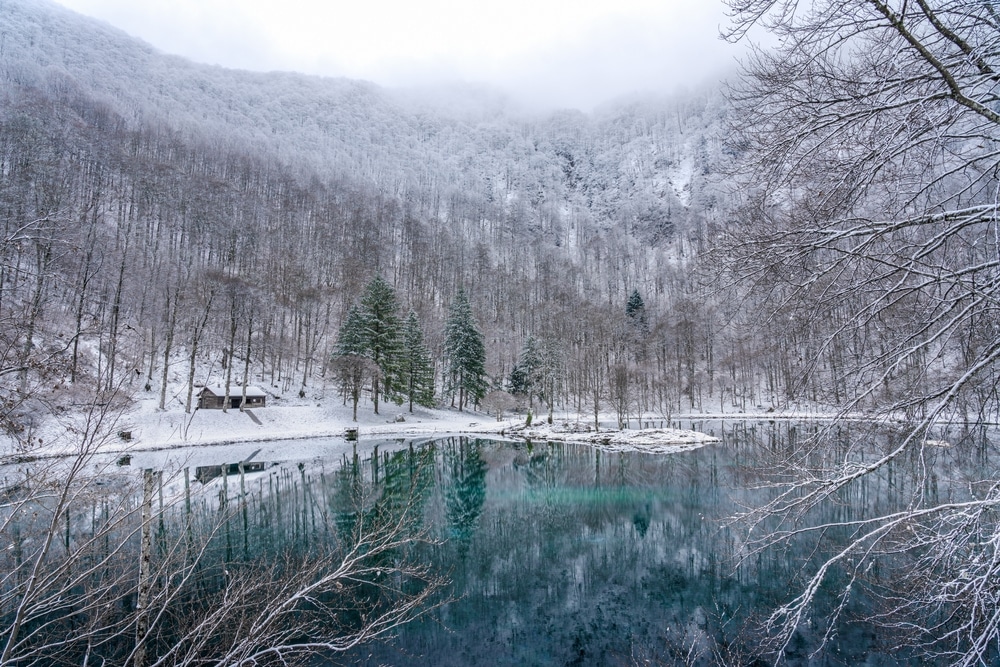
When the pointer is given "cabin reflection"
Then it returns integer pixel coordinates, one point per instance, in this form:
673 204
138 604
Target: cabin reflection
207 473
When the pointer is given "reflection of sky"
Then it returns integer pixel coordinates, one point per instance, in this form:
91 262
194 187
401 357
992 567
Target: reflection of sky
546 52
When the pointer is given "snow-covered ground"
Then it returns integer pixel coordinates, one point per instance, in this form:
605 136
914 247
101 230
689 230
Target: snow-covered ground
322 419
299 419
653 440
289 419
315 425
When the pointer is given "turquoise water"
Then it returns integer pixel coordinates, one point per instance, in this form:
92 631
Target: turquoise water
553 553
566 555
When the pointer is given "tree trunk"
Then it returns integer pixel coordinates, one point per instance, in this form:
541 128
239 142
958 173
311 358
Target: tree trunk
229 361
116 307
145 570
168 343
195 339
246 365
44 256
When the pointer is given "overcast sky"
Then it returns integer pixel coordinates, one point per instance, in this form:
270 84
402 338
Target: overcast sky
566 53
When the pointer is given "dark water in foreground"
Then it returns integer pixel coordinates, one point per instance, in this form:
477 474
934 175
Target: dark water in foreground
555 554
565 555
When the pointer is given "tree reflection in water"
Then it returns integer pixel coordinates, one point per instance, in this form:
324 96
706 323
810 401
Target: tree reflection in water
557 553
466 493
563 554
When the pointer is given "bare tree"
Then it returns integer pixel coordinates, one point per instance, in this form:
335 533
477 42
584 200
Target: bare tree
197 330
870 136
95 568
353 370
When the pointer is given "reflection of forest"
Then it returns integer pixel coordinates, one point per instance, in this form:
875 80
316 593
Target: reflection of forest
558 553
344 533
580 557
466 493
562 554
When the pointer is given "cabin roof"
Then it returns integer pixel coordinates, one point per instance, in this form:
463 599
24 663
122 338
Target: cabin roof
234 390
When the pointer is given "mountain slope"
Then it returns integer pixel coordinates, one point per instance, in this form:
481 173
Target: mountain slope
610 167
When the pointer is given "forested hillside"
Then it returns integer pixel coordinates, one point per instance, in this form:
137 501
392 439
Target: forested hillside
164 221
823 235
159 212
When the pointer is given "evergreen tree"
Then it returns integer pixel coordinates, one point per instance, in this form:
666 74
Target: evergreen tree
525 378
637 326
465 353
518 382
370 346
383 339
416 369
635 310
351 338
351 362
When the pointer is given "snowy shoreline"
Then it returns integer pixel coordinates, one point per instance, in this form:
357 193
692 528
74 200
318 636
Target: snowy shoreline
153 430
652 440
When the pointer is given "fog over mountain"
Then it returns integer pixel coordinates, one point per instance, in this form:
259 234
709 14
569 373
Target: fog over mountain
302 188
818 243
545 53
468 136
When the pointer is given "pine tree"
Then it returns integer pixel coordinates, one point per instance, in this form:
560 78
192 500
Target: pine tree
637 329
465 353
518 382
383 339
417 370
635 310
351 362
370 346
525 378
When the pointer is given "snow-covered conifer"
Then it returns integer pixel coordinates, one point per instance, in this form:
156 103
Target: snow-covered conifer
465 353
350 362
525 378
416 367
383 339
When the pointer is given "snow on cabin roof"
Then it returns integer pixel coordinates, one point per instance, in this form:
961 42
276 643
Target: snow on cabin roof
234 390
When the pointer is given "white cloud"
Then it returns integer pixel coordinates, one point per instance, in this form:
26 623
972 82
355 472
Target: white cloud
555 52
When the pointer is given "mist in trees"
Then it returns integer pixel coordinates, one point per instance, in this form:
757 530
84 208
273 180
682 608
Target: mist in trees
173 260
148 245
823 238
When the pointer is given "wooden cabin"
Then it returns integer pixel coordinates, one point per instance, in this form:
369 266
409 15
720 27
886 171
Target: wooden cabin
212 397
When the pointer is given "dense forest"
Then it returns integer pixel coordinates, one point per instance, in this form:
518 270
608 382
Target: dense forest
822 233
139 238
164 222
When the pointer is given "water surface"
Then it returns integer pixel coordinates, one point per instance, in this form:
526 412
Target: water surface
562 554
556 554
